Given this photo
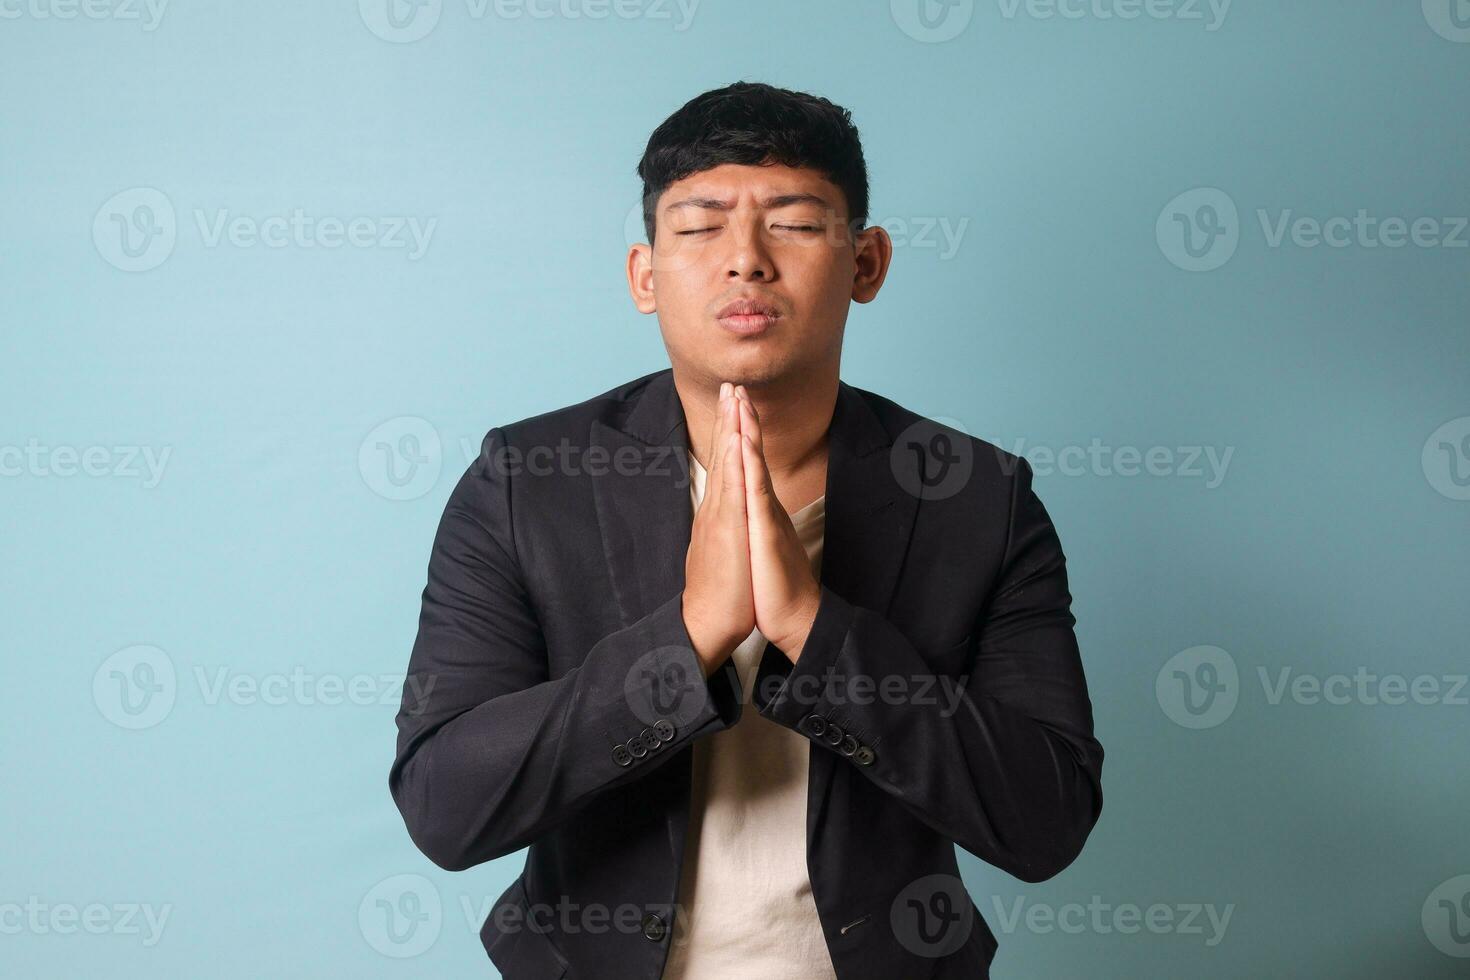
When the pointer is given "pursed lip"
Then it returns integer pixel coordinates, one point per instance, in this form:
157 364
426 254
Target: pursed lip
748 307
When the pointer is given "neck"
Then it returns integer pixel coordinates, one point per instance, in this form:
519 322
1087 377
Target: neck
794 418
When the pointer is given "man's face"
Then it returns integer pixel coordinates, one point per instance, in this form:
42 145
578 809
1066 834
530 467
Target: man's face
773 235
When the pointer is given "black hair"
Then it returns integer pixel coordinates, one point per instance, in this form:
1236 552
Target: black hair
754 123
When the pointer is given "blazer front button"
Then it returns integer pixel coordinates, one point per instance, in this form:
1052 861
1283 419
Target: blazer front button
653 927
664 729
863 756
622 756
815 724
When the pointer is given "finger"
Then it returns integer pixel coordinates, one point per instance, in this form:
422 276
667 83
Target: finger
732 478
717 432
759 493
718 437
750 422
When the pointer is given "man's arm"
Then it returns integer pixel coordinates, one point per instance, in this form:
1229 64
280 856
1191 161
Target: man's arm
1007 768
492 753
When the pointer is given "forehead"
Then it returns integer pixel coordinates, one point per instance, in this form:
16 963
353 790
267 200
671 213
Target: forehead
733 185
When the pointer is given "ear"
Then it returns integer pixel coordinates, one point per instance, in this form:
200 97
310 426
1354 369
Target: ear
874 253
640 277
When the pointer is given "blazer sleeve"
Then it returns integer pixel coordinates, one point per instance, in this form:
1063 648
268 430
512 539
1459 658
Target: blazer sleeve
1007 766
491 752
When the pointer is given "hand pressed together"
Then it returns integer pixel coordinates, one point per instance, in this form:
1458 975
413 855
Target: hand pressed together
746 566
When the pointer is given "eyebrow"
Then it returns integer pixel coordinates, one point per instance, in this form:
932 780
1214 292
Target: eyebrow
778 201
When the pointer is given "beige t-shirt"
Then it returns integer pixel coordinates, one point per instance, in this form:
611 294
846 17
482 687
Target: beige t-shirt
745 899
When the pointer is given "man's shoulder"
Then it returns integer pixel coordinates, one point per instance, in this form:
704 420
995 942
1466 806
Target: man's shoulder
574 421
939 436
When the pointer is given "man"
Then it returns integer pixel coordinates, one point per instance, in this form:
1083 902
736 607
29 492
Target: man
738 650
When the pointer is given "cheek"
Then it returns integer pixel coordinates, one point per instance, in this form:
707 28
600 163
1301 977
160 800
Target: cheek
824 270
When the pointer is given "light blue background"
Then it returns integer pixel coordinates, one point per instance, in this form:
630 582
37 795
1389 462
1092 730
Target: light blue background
272 541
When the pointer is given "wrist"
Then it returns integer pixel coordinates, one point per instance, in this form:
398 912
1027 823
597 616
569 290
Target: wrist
794 639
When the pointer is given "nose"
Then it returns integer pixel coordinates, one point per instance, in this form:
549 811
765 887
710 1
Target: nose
749 258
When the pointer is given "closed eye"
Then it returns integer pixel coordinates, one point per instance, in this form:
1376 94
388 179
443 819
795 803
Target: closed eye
701 231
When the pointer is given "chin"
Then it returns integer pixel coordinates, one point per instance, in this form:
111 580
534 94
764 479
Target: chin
753 369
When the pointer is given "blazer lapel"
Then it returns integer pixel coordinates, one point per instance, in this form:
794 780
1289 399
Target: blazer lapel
869 515
644 506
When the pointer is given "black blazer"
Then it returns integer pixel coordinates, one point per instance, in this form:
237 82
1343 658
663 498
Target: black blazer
554 697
